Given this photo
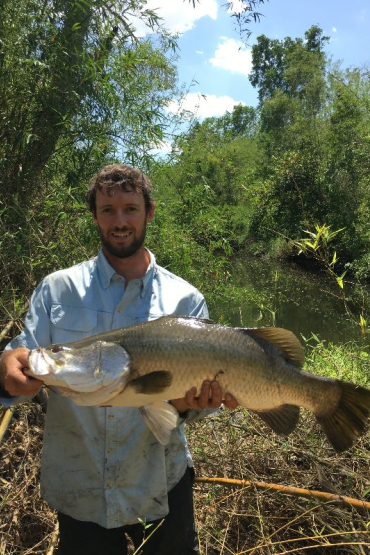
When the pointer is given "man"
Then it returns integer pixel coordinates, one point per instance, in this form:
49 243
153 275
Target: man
102 468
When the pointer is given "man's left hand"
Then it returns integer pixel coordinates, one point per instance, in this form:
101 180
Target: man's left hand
210 397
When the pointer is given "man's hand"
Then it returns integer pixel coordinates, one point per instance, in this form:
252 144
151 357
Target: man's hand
12 378
210 397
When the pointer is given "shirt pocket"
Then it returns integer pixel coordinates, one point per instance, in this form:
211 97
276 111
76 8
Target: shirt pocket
73 323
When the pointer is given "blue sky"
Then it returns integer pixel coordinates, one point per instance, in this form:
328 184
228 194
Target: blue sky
213 59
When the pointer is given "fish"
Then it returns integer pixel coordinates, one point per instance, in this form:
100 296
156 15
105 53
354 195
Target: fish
147 364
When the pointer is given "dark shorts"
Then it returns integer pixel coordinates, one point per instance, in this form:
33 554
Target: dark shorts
175 536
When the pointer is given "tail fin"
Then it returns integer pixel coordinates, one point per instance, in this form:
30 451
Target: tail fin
347 423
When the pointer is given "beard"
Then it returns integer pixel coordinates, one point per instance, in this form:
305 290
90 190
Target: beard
123 251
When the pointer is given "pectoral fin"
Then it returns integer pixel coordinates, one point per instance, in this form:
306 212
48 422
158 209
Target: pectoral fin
154 382
161 418
282 420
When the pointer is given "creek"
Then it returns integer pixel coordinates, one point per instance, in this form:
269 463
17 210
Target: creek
284 295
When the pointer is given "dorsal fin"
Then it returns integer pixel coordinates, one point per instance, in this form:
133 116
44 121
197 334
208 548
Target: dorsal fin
284 339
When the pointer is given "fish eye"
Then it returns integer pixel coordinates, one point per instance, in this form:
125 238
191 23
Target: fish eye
56 349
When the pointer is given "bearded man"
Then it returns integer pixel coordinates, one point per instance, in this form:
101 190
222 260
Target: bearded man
102 468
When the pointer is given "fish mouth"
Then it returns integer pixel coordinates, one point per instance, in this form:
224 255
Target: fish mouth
33 360
39 362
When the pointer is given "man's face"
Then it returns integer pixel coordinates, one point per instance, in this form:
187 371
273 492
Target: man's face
121 219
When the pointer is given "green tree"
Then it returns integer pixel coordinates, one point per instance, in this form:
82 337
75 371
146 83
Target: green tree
347 169
75 70
78 89
71 68
214 156
291 198
291 78
287 65
207 183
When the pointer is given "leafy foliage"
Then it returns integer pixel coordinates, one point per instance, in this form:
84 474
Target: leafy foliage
250 180
289 65
255 178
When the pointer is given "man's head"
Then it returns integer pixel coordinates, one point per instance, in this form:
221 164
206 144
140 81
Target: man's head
120 176
121 205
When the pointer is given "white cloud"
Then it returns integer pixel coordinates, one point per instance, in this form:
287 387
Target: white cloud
237 7
232 56
362 16
162 149
205 106
334 29
178 16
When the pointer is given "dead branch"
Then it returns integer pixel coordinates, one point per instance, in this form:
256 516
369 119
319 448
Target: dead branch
288 490
5 422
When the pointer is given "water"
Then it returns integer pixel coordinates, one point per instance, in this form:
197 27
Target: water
268 293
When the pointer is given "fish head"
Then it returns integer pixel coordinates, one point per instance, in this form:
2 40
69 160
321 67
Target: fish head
56 358
82 368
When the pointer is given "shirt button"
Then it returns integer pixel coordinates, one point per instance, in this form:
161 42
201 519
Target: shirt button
109 486
111 416
110 451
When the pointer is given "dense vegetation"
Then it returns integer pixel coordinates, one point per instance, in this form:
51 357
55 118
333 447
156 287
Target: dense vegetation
80 90
258 179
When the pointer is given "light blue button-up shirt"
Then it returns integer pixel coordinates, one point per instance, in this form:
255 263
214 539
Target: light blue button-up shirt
103 464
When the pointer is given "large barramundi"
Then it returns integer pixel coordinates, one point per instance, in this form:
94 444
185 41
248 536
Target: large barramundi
151 362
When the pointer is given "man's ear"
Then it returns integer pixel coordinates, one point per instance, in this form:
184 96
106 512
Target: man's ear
150 213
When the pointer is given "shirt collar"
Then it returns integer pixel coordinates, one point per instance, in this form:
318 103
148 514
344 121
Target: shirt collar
106 271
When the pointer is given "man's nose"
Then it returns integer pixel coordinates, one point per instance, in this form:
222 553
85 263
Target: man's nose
120 218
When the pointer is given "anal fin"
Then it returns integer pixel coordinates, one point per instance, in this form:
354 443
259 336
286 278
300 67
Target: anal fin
161 418
282 420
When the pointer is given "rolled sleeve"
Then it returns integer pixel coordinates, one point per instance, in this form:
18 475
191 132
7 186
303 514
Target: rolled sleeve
36 331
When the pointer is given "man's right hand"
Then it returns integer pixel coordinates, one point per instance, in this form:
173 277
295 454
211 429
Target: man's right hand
12 378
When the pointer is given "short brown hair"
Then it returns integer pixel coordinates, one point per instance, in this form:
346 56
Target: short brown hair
122 176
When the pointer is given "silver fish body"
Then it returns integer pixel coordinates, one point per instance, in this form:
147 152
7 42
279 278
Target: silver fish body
148 363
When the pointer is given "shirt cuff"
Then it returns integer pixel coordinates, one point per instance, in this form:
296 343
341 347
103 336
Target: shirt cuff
4 394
